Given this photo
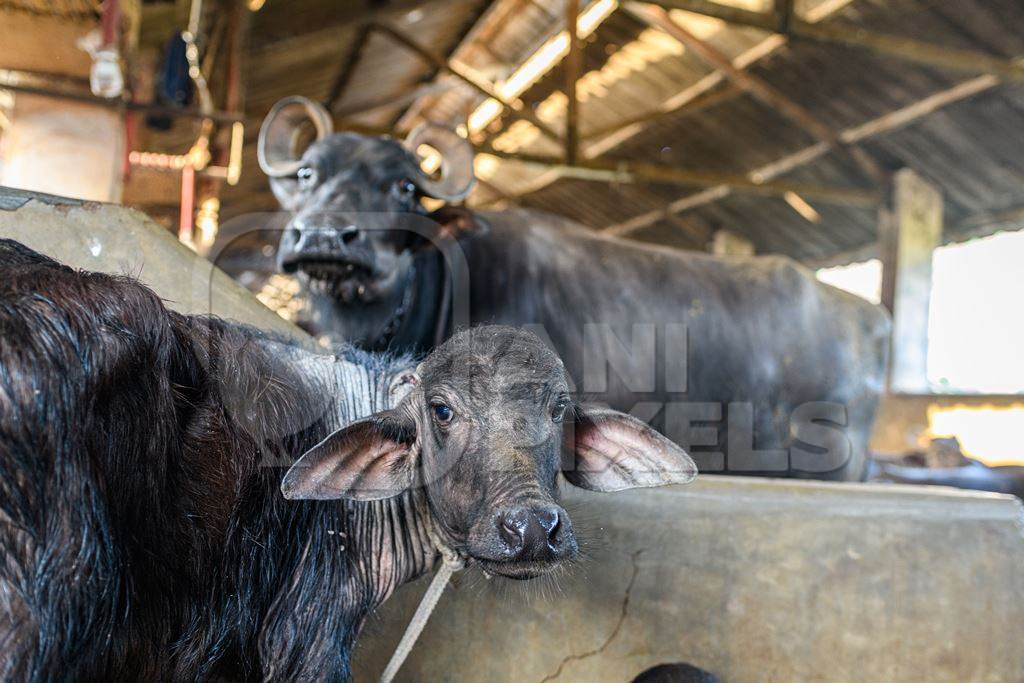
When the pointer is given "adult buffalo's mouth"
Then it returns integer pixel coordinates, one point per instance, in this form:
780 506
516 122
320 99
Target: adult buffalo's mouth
347 279
317 267
320 269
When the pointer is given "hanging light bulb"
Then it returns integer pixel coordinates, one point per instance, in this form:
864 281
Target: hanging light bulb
105 77
207 219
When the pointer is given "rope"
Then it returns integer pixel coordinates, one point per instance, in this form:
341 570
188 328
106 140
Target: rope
419 620
451 562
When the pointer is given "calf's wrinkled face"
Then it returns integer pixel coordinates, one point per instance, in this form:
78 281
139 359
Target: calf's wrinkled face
486 430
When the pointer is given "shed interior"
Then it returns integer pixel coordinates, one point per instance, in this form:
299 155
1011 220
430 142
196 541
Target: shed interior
771 126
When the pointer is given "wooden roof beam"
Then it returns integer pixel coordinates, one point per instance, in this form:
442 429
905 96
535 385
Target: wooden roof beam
573 62
784 15
412 108
634 172
22 82
348 67
516 107
390 101
899 47
709 99
883 124
755 86
706 92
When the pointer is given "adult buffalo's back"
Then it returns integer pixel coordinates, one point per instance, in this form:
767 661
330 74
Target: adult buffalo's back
740 344
727 355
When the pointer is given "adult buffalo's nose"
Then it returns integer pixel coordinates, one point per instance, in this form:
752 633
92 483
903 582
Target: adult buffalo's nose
305 239
537 533
315 234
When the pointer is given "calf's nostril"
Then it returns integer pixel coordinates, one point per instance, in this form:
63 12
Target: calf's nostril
510 527
536 533
551 522
349 234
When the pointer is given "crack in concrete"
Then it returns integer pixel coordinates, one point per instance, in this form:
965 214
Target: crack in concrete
615 631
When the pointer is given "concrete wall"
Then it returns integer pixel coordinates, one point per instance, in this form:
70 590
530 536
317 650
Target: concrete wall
753 580
68 148
114 239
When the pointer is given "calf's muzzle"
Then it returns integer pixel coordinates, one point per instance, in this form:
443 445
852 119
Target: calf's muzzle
540 533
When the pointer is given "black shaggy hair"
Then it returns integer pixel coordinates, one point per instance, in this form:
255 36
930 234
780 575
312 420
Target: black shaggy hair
142 532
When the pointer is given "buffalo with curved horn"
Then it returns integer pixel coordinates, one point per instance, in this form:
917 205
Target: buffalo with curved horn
753 362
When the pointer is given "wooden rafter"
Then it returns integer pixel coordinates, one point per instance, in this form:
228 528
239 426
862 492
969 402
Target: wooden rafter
348 67
572 73
756 87
29 84
390 102
635 172
710 99
783 14
694 97
892 46
883 124
516 108
639 173
409 105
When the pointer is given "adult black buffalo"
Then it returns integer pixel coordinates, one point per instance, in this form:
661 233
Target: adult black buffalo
756 347
143 531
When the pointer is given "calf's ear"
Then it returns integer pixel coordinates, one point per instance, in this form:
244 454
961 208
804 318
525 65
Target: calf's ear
370 459
613 451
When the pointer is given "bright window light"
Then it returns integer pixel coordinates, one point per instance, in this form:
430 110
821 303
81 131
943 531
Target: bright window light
976 323
988 433
863 279
540 62
801 206
488 110
536 66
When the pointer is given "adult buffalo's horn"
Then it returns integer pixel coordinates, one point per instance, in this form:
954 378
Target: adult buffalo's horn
279 149
456 173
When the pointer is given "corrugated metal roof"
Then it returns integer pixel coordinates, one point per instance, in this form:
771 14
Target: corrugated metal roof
973 150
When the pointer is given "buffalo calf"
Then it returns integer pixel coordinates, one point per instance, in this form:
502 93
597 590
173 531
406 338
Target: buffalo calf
143 530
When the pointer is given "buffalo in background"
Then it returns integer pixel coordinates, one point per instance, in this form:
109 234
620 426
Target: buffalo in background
751 361
143 531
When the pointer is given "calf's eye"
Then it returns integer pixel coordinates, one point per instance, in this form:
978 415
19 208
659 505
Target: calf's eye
442 413
559 409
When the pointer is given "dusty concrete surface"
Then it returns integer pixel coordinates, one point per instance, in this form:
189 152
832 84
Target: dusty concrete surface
113 239
753 580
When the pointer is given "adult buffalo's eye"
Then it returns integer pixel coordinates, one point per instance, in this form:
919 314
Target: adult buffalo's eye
306 176
442 413
559 409
407 187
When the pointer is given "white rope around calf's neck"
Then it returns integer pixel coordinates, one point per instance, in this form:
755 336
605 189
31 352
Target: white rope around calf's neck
418 621
451 562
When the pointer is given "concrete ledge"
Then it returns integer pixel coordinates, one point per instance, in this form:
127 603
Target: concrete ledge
753 580
113 239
